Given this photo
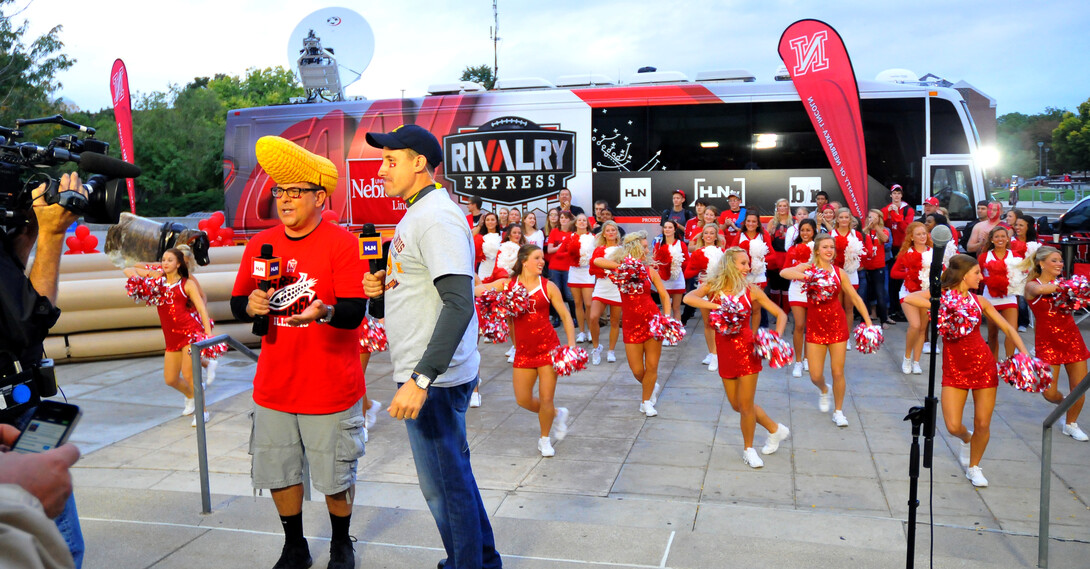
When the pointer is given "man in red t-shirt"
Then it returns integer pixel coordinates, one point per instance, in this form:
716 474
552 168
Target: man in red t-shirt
897 215
309 384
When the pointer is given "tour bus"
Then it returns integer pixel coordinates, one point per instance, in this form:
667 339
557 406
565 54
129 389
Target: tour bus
630 145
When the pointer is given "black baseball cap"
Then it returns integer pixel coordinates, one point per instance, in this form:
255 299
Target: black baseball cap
412 137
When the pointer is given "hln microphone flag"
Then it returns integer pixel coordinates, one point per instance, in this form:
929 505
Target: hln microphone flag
119 92
823 76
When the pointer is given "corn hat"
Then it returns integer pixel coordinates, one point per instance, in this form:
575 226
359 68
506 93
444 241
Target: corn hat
289 163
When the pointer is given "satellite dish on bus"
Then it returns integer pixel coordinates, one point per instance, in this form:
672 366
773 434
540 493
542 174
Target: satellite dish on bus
898 76
329 50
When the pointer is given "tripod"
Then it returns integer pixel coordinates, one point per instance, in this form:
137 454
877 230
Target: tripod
924 417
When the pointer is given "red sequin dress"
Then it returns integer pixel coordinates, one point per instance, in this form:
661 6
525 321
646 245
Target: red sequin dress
826 322
534 336
178 317
637 310
1057 339
967 362
735 352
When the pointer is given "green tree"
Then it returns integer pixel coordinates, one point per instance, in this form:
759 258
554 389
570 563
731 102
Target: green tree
260 88
1071 140
481 74
28 73
1017 137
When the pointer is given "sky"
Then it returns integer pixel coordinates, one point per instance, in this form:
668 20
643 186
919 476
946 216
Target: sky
1025 55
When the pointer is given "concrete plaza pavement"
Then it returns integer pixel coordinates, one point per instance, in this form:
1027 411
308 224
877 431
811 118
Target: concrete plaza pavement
622 491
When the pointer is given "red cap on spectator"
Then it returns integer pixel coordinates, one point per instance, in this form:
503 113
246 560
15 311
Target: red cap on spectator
682 192
932 201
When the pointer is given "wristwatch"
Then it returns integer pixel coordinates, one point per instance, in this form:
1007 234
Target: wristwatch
422 381
328 315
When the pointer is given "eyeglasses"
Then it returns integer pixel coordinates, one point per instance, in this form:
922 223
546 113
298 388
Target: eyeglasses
292 193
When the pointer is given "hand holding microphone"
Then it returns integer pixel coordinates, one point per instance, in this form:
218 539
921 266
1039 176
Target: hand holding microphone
266 269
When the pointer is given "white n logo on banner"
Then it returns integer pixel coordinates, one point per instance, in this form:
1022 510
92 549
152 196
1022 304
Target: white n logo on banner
810 53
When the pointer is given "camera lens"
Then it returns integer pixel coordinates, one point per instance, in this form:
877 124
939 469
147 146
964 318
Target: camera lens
106 200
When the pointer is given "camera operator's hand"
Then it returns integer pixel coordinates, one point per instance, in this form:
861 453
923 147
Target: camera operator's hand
54 219
258 303
44 475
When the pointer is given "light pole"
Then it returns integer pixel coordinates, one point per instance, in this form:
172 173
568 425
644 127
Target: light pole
1046 160
1040 159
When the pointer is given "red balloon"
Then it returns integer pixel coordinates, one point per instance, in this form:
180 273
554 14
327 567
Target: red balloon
74 245
89 243
82 231
217 219
228 235
202 225
331 216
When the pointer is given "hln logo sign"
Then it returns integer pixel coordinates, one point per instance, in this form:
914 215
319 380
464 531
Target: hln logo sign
635 193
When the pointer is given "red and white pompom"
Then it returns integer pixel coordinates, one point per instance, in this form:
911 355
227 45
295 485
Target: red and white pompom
569 359
518 300
730 317
770 346
492 316
665 328
1026 373
211 352
1071 294
958 315
868 338
373 337
819 285
146 289
629 276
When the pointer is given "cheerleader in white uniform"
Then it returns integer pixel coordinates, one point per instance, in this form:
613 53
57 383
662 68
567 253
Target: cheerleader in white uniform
707 250
801 252
580 247
605 294
671 254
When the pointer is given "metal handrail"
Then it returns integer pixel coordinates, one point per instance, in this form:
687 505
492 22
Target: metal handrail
1046 466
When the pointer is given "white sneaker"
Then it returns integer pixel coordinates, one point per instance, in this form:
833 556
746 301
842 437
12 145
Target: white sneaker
824 398
849 344
190 407
207 415
1072 430
839 418
658 389
475 399
708 358
546 447
511 356
963 456
976 476
774 439
916 369
371 415
596 356
796 371
580 338
560 424
750 457
610 356
210 372
510 352
927 347
805 365
648 409
906 366
714 366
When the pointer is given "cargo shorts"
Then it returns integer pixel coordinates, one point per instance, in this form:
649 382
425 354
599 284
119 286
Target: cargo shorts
332 445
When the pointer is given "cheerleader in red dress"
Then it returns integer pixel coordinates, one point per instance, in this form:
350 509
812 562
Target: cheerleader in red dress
637 309
705 253
1003 282
1058 339
604 294
579 247
739 363
827 327
535 340
671 254
967 362
849 253
801 252
184 318
756 243
910 266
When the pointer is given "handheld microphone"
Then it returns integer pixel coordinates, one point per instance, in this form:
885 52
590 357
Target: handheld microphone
266 269
940 236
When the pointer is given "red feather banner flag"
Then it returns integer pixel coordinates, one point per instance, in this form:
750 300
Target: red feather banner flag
119 91
823 76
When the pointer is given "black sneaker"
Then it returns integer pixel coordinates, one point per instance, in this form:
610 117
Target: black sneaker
294 556
341 555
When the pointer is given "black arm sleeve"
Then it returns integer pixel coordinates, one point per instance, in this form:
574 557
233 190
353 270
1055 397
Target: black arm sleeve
238 308
349 313
456 291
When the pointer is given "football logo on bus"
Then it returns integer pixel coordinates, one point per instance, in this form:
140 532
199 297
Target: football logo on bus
509 160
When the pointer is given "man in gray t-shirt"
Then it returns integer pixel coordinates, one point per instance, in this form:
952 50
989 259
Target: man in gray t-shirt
431 326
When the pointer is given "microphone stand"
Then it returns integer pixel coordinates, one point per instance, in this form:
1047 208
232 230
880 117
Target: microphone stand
924 417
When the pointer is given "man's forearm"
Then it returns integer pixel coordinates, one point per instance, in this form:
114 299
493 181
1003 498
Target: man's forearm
45 271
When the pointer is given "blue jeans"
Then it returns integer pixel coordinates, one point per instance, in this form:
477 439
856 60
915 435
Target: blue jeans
441 453
875 290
